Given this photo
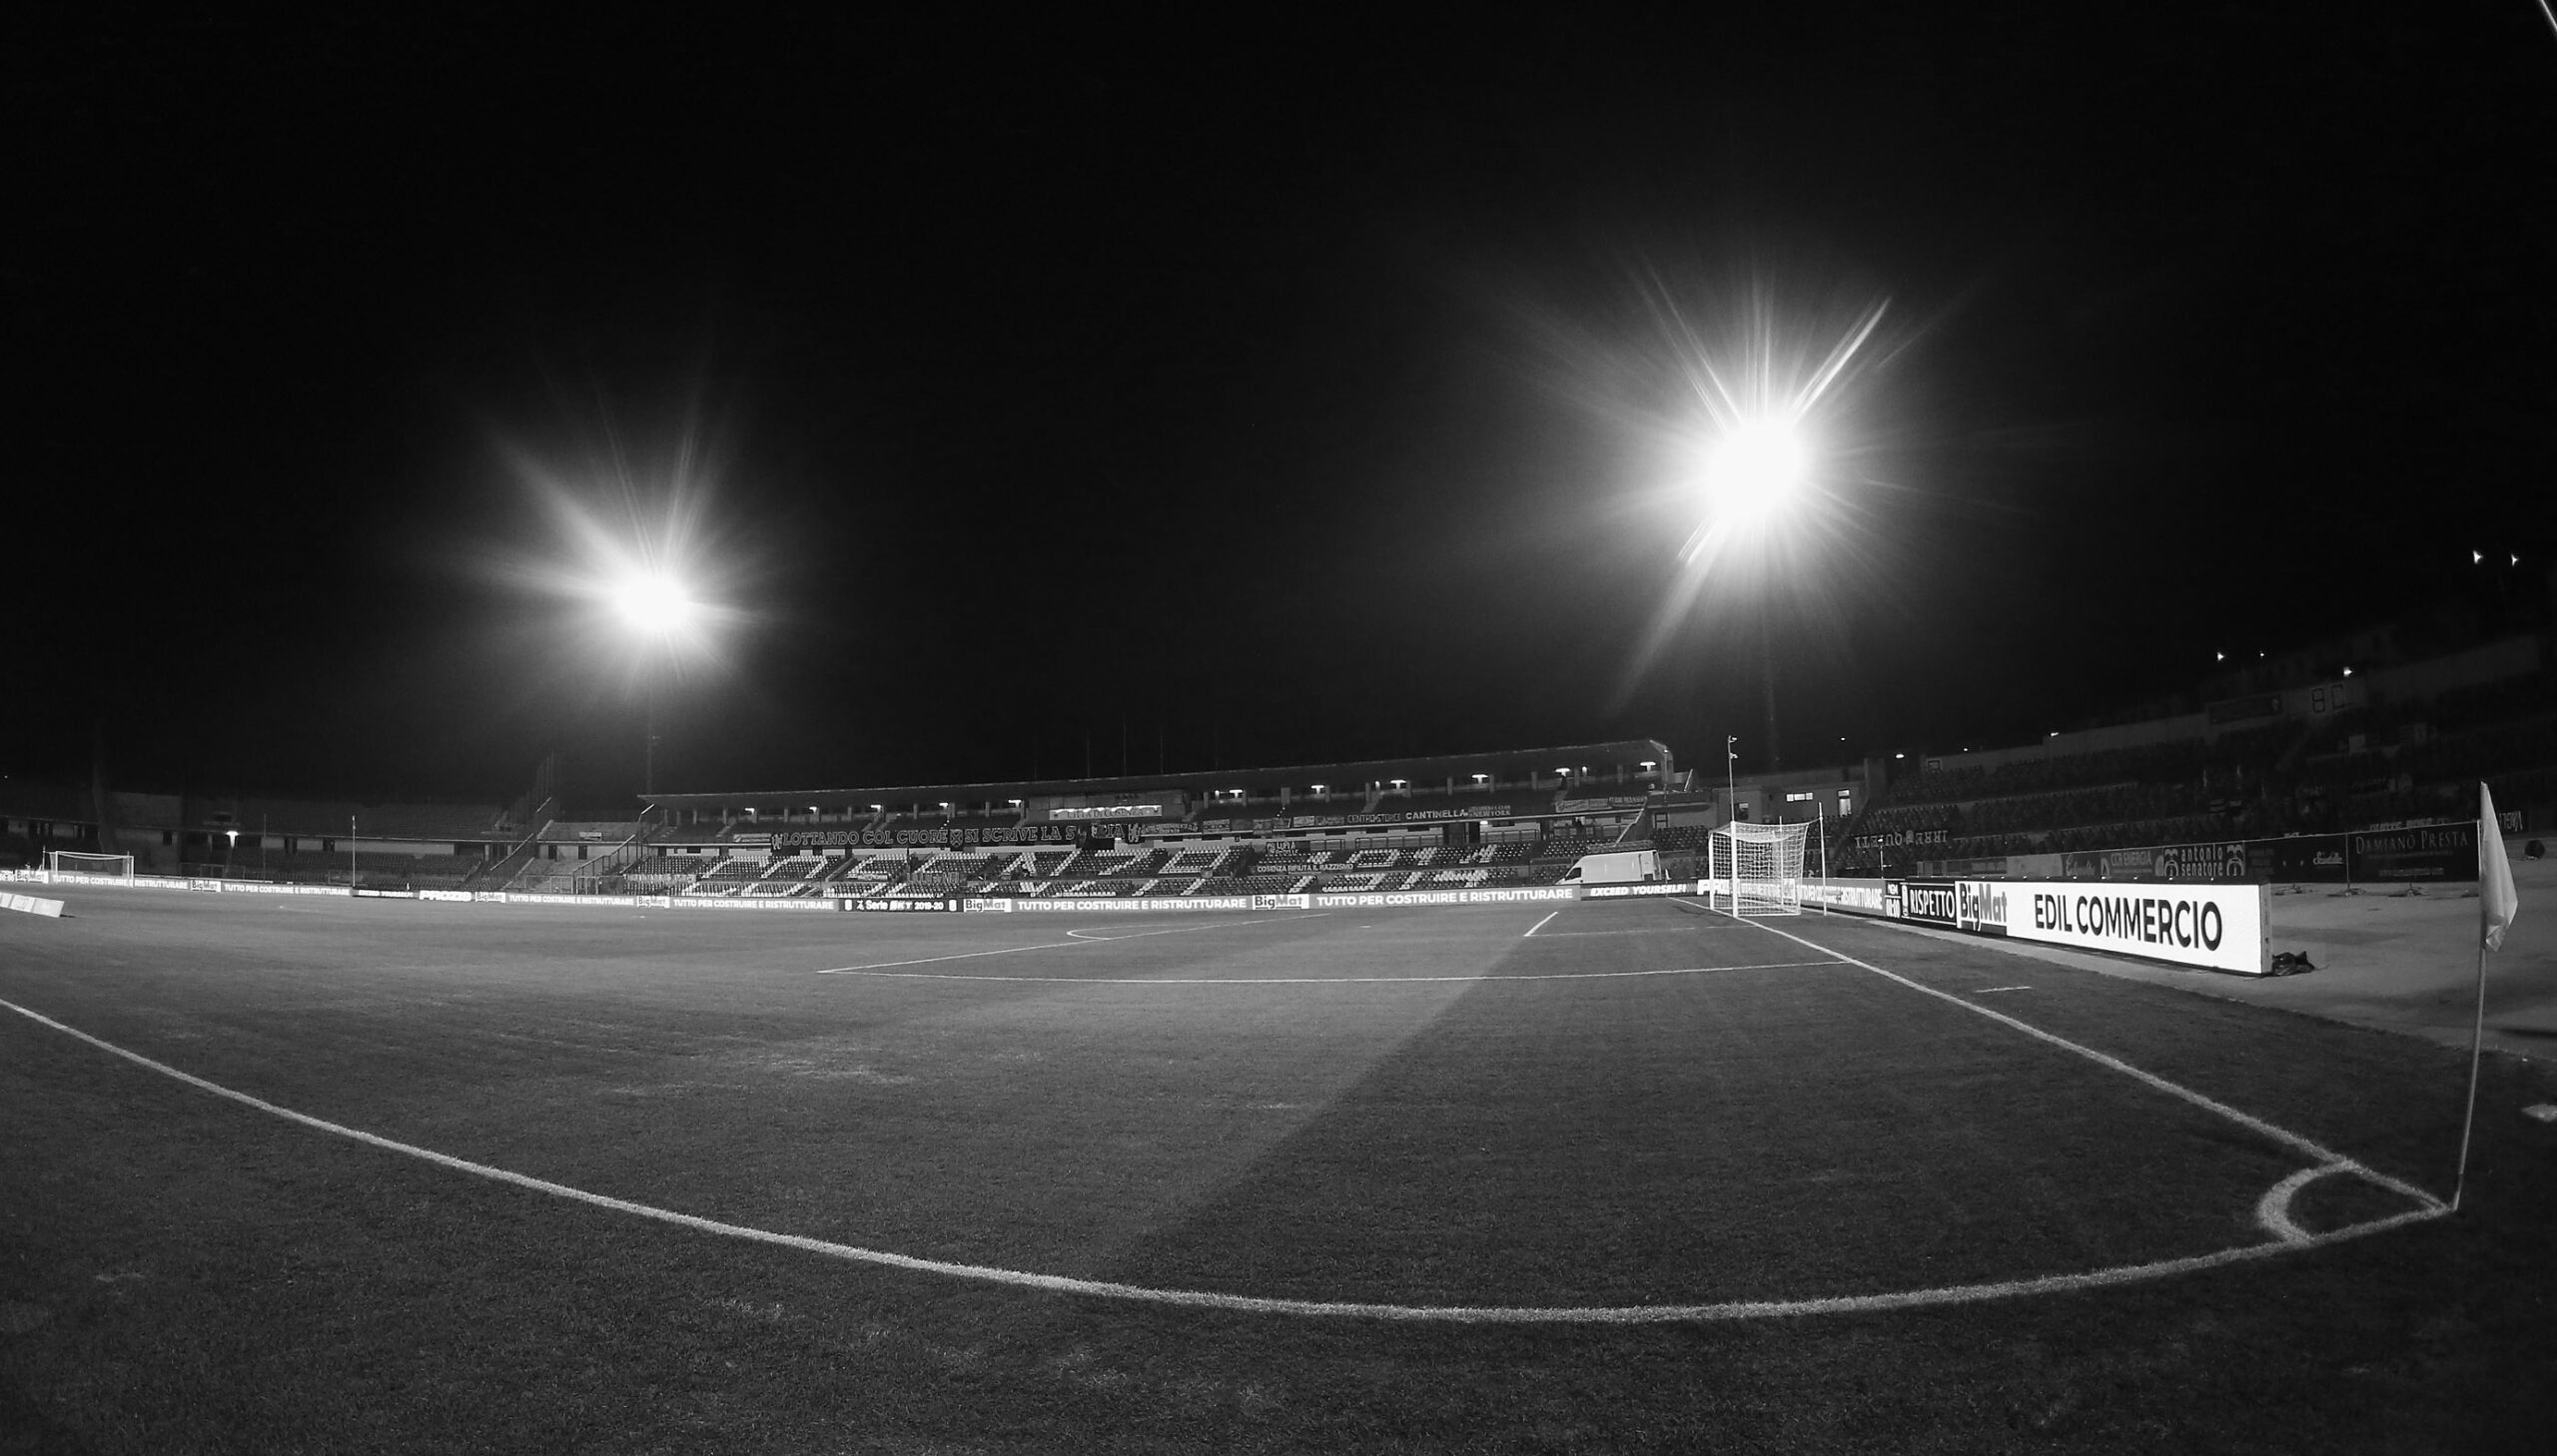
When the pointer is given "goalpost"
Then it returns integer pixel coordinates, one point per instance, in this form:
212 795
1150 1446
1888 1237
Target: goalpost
1756 869
76 862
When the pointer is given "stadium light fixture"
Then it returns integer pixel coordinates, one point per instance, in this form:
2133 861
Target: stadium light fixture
654 605
2476 558
1482 778
2349 672
1754 471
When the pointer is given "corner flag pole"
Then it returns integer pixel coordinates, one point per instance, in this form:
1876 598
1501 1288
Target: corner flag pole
2496 905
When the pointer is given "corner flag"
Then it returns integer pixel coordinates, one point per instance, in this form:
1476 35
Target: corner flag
2495 899
2496 904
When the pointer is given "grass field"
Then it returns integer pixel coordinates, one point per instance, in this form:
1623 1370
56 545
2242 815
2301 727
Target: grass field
1644 1179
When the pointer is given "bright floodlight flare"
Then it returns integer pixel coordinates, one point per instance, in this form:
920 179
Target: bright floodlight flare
1754 471
655 606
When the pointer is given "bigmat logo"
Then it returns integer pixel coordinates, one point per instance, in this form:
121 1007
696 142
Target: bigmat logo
1980 904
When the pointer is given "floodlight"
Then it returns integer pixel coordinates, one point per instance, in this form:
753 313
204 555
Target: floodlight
654 605
1754 471
2349 672
2476 558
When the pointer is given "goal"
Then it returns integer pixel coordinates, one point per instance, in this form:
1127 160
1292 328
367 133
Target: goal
75 862
1756 869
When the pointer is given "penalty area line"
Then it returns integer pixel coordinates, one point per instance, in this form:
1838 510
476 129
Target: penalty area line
1540 924
2287 1238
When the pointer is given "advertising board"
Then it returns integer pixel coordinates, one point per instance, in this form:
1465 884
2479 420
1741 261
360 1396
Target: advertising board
1282 902
2215 927
2313 858
2435 852
891 906
2223 862
1980 906
2187 922
1858 897
1927 902
1642 892
736 902
1371 900
1141 902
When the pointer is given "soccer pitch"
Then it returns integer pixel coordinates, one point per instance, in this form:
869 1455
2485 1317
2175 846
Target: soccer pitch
310 1171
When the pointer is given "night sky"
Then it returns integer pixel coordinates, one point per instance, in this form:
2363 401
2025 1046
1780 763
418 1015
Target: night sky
1282 397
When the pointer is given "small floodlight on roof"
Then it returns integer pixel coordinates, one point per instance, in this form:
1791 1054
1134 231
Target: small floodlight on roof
2349 672
2476 558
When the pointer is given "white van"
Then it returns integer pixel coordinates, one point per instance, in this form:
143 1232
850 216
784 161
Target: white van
1615 867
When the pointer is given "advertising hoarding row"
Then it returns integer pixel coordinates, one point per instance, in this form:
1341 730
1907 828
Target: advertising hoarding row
2210 926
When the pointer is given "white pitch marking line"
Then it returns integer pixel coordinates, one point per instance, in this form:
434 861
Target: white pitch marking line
1078 938
1993 990
2273 1210
1255 1304
1323 979
2316 1152
1540 924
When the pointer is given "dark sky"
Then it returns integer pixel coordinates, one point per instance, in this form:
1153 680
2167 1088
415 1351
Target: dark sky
1286 396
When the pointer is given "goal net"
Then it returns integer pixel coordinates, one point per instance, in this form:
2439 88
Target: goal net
76 862
1756 869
